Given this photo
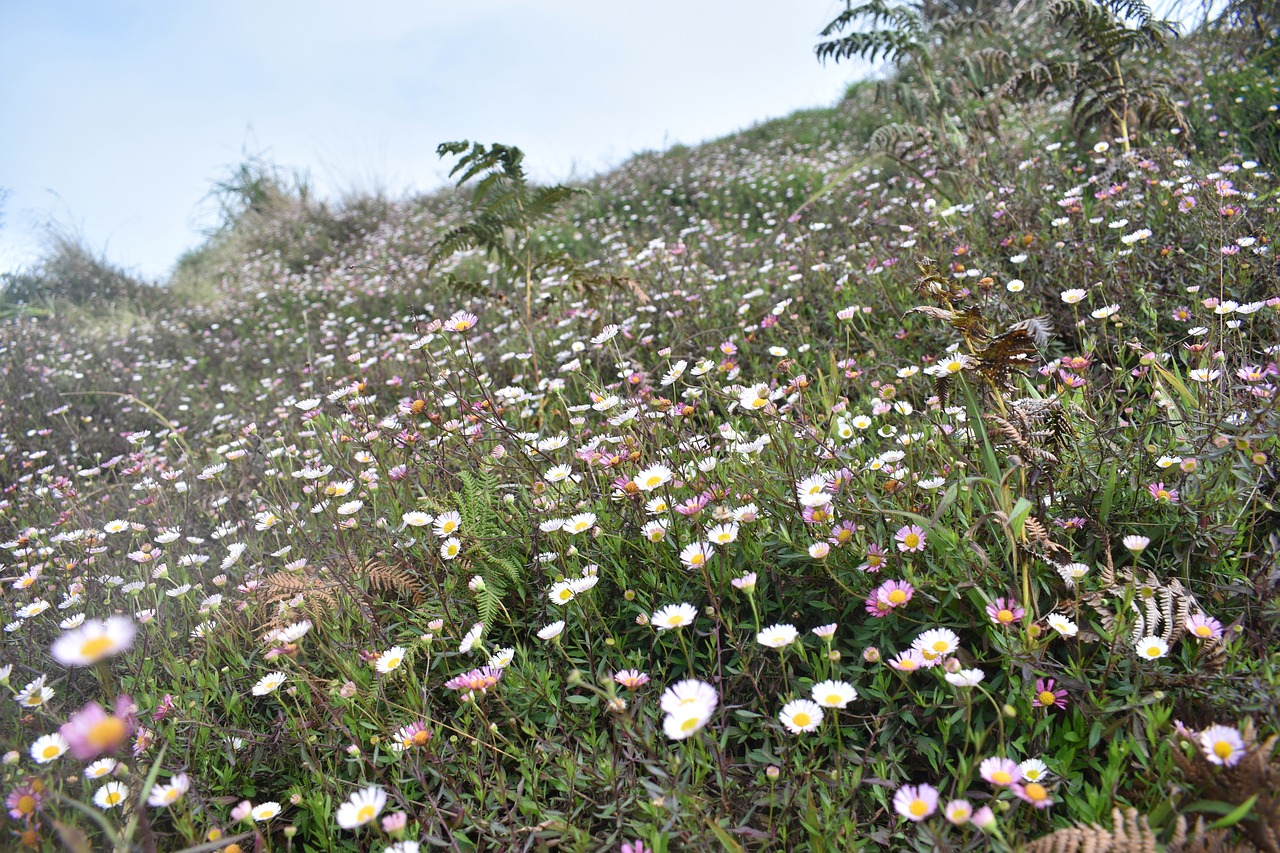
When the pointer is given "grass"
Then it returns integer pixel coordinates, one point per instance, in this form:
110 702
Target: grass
776 378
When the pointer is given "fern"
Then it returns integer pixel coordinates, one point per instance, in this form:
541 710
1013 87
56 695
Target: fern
496 555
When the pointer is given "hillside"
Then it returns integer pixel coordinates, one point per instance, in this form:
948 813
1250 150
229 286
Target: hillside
793 491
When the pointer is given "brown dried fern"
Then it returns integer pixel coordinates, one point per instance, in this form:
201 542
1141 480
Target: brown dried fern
1257 772
1132 833
316 591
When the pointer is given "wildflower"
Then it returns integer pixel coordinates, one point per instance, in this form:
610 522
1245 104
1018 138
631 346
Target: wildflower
655 531
1034 793
685 722
674 616
746 583
1222 745
579 523
389 660
416 519
935 644
965 677
1062 624
1161 494
910 538
447 523
908 661
826 632
1072 572
472 637
1014 285
819 550
414 734
916 802
1073 296
268 683
24 801
502 658
801 715
477 679
632 679
110 795
834 694
688 694
1152 648
48 748
984 818
894 593
777 636
35 694
958 812
723 534
653 477
696 554
1000 771
91 731
875 559
1033 770
551 631
1136 544
461 321
1046 696
1005 611
93 641
1204 627
263 811
362 807
167 795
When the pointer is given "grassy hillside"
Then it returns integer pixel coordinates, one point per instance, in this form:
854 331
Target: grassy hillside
801 496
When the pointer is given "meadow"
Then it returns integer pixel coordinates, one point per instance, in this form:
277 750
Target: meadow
780 493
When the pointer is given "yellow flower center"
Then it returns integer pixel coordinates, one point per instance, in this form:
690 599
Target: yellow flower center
801 719
1047 697
675 621
393 663
1002 777
106 734
95 648
697 559
689 724
113 797
1035 792
907 664
653 482
51 751
1223 749
26 804
1005 616
911 540
365 814
941 646
834 698
918 808
897 597
1203 631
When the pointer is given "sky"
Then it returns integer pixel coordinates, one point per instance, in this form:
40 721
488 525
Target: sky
121 113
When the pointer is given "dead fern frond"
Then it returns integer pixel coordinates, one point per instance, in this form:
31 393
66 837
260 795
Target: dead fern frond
1130 833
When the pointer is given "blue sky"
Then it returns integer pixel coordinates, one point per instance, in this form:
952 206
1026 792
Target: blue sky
118 114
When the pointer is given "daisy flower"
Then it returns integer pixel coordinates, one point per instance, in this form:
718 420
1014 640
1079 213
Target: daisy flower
632 679
35 694
674 616
1062 624
362 807
834 694
49 748
389 660
1034 793
1222 745
908 661
110 795
958 812
965 677
447 523
690 693
894 593
1000 771
551 631
1204 627
1034 770
801 715
935 644
268 683
264 811
653 477
168 794
910 537
1005 611
696 554
1048 697
471 638
916 802
1152 648
685 722
777 636
101 767
93 641
461 321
